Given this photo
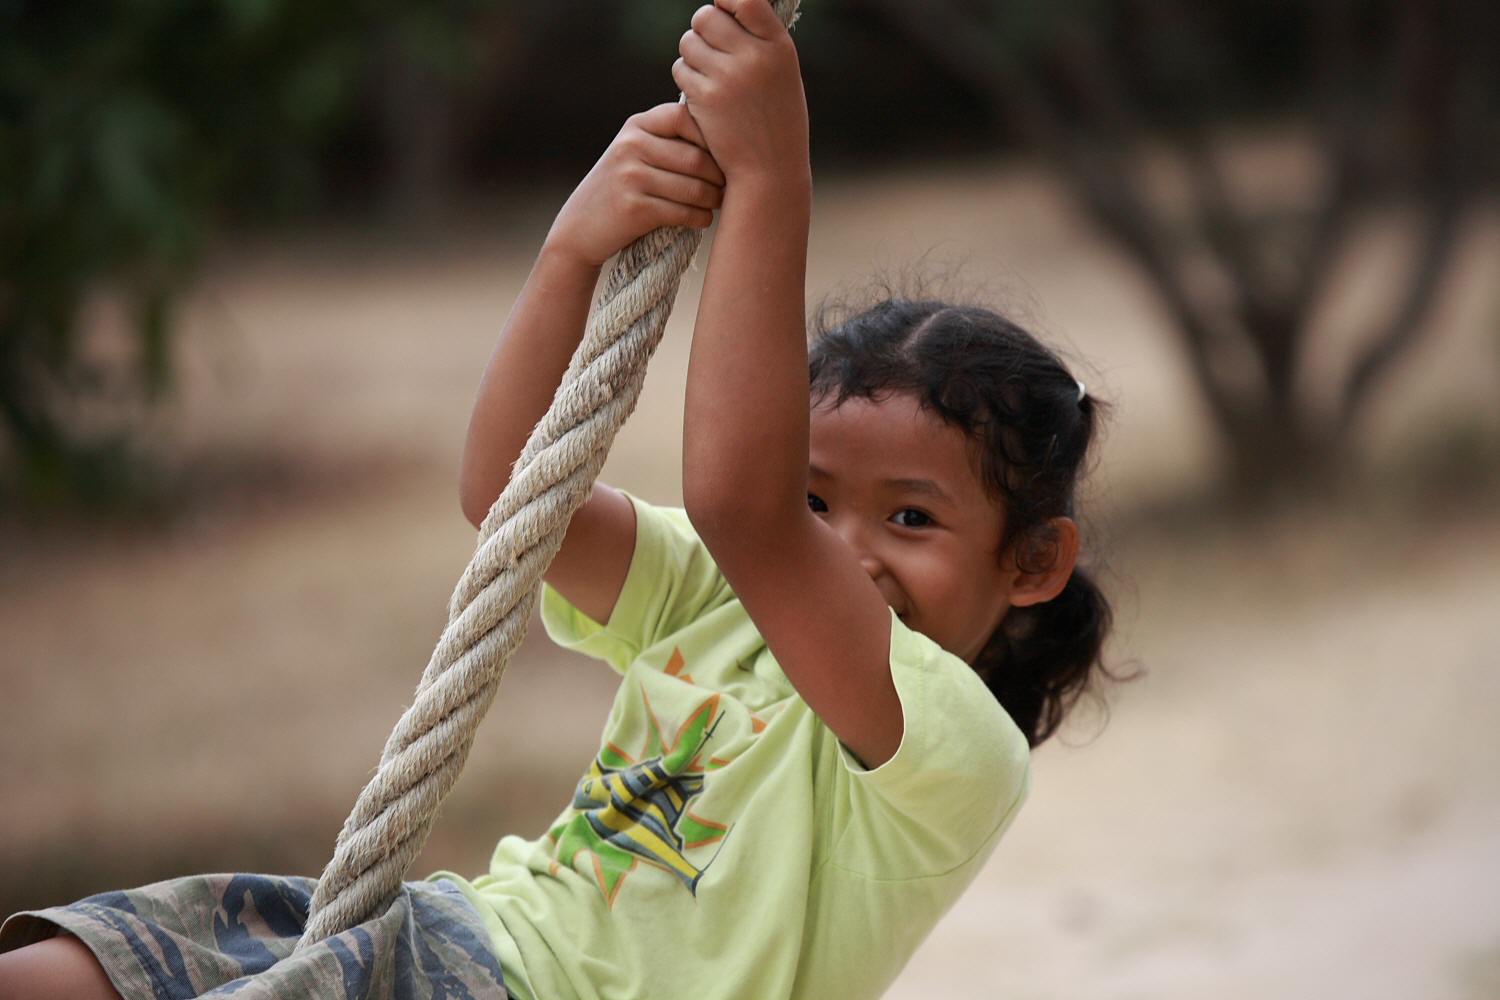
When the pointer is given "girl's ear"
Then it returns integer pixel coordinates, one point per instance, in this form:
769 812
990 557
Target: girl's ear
1044 561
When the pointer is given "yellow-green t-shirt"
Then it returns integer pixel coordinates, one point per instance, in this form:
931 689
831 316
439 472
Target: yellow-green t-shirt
723 843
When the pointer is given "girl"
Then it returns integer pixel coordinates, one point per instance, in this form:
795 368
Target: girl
833 660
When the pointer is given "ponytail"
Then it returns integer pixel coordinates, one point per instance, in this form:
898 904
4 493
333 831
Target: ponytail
1038 662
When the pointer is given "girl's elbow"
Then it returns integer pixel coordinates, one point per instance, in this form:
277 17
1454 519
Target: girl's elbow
729 517
718 493
472 513
473 502
705 509
713 506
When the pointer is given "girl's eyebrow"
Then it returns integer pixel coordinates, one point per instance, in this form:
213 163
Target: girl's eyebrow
926 487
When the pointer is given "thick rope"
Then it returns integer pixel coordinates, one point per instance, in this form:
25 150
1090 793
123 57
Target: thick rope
492 604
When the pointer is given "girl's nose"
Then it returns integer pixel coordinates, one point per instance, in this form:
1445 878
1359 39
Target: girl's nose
855 535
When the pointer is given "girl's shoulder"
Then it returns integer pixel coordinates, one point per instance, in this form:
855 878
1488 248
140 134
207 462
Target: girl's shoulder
671 583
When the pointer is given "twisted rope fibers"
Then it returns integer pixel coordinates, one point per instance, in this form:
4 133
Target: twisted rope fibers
492 603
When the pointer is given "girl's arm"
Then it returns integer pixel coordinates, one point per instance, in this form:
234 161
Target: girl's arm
655 173
745 431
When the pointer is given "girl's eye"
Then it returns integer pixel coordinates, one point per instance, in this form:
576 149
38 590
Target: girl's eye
815 504
910 517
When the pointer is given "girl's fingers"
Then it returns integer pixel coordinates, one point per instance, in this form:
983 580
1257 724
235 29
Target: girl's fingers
680 157
670 121
688 80
755 16
680 188
666 120
688 129
681 148
718 28
699 54
666 212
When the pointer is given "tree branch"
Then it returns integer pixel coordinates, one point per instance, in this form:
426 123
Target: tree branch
959 44
1435 250
1224 229
1339 117
1440 65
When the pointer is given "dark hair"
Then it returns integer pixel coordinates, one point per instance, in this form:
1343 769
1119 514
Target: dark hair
1032 428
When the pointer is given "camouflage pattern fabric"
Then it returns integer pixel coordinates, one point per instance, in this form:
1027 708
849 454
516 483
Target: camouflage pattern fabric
233 935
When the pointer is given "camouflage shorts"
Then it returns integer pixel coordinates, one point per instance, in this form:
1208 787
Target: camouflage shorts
222 935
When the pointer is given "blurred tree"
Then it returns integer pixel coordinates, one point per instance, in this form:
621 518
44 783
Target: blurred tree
1400 97
132 129
128 130
577 68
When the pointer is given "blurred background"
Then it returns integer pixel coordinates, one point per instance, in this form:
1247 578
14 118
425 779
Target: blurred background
254 255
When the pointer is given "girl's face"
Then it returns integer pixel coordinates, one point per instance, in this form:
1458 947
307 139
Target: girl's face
899 486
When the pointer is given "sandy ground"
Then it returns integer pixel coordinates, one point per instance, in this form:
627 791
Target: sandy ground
1300 799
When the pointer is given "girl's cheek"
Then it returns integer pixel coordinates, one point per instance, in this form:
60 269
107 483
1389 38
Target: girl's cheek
936 580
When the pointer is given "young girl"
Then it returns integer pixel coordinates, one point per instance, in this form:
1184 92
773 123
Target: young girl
835 658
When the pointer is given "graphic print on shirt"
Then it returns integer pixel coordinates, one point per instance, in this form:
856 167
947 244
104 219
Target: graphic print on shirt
632 809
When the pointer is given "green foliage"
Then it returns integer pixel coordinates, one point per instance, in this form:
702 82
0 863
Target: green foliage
128 129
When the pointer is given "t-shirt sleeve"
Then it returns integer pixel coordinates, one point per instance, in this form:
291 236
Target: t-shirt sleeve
954 784
672 581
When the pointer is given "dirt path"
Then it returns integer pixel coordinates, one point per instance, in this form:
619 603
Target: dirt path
1300 799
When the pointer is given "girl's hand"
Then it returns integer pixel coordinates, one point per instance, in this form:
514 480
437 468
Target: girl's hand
657 172
743 84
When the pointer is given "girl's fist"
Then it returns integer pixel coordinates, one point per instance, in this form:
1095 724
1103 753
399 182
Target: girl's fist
657 172
740 75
